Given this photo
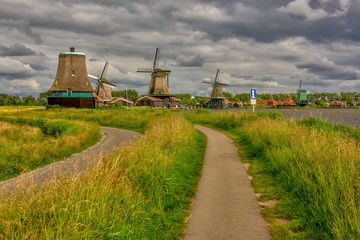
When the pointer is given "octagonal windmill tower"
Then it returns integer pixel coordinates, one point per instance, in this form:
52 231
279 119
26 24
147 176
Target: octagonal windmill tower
71 87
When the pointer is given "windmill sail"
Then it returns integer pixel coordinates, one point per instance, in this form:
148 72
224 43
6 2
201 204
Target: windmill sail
103 86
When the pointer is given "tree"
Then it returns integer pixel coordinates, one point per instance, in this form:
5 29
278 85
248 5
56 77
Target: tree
45 94
228 96
29 101
129 94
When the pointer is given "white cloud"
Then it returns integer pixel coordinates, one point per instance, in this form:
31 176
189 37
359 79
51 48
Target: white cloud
302 8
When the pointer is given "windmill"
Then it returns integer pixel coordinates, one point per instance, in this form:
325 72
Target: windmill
159 85
103 86
217 99
217 86
302 96
71 86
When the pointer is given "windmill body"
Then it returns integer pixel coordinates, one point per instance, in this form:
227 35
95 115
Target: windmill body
302 96
103 86
159 94
217 99
71 87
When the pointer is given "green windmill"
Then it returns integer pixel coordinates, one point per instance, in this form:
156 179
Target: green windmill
302 96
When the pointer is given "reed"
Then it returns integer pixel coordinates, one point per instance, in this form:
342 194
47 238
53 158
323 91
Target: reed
26 144
141 191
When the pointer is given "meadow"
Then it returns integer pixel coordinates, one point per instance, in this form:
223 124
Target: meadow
144 190
311 167
141 191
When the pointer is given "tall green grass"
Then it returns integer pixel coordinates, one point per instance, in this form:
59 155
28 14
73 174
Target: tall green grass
26 144
313 170
135 119
141 191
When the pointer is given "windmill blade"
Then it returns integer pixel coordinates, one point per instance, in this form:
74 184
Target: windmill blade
222 84
156 58
144 70
112 86
207 81
160 70
93 77
217 75
104 70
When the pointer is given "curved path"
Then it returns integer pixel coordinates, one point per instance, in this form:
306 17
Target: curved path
77 163
225 205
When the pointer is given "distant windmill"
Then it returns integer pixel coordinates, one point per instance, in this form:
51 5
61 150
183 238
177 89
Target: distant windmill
103 86
159 84
302 96
217 86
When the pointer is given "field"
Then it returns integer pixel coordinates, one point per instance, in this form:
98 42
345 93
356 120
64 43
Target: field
349 116
308 166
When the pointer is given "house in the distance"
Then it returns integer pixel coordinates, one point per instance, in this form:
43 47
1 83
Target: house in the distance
338 104
289 102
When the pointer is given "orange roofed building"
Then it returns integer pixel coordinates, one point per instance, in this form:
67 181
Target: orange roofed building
289 102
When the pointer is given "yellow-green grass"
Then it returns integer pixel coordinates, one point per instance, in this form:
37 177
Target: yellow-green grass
24 146
141 191
313 173
135 119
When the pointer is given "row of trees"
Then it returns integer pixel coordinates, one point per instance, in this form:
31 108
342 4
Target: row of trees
8 100
314 98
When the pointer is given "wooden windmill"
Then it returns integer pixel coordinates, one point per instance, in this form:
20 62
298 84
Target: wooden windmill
217 99
103 86
159 84
217 86
302 96
71 86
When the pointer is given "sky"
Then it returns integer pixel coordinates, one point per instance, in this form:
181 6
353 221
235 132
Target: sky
269 45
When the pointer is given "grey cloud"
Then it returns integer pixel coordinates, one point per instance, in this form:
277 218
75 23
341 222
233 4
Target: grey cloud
190 61
16 50
328 71
24 27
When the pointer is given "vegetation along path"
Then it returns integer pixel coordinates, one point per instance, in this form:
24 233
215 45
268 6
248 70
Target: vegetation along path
74 165
225 205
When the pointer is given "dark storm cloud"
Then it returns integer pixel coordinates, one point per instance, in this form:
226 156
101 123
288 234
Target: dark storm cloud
190 61
259 43
328 71
17 49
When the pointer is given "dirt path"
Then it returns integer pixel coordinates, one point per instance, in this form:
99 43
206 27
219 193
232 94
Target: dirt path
225 205
76 164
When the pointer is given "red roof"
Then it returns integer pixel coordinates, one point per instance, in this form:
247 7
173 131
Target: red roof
337 103
98 98
289 102
226 101
174 99
260 103
273 102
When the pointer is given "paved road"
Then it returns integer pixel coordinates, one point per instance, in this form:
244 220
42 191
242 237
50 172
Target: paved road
76 164
225 205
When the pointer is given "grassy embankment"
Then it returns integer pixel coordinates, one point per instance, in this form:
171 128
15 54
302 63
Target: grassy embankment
142 191
34 137
310 167
29 143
